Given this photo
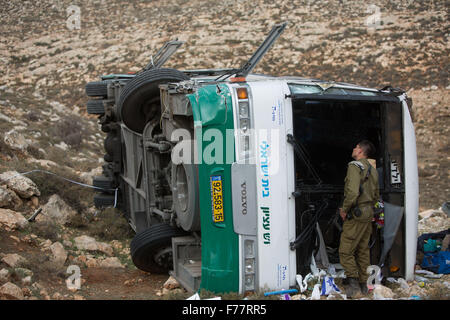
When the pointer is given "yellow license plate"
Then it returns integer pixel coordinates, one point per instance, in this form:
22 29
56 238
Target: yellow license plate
217 198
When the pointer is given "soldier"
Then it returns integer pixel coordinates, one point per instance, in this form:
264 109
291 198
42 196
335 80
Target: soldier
360 196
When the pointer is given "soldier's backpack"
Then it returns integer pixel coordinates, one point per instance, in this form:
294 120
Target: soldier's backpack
437 262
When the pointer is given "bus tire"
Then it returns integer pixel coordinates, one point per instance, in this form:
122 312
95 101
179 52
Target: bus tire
151 249
139 101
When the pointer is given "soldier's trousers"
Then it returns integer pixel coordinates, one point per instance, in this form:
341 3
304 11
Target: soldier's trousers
354 251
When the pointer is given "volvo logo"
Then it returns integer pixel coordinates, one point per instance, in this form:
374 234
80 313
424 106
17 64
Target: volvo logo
244 198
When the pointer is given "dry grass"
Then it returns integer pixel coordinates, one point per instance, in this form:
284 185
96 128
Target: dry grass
108 225
45 229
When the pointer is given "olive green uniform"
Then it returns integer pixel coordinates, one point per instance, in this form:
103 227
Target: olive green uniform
354 252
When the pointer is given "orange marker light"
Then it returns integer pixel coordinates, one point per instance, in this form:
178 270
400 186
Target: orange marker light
238 79
242 93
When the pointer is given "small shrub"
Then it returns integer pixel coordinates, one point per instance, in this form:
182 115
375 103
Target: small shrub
75 196
45 229
110 225
32 116
77 221
70 131
6 149
42 267
34 152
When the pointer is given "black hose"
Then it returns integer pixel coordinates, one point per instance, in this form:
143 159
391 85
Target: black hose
306 233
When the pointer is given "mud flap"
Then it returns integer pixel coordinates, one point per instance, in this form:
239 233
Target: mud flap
392 217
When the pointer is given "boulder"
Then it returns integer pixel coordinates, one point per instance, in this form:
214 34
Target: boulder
90 244
427 213
112 262
5 198
57 210
23 272
26 281
16 140
13 260
4 275
10 199
87 177
12 220
11 292
171 283
92 263
433 223
20 184
59 254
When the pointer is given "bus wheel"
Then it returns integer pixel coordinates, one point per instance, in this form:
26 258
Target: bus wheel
151 249
139 101
185 196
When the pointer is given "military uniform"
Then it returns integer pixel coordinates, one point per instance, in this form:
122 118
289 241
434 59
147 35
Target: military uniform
354 252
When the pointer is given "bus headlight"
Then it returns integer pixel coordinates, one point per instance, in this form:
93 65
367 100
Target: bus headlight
243 109
249 248
249 282
249 264
244 122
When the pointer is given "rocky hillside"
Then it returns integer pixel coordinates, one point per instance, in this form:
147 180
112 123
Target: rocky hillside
46 58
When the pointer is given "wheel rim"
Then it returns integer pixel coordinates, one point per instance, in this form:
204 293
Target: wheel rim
163 258
182 188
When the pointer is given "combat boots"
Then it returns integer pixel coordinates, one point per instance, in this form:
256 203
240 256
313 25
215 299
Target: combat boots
364 288
353 288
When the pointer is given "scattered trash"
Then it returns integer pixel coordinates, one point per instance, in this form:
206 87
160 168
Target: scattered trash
316 292
280 292
431 245
322 279
285 297
35 214
403 283
317 273
437 262
420 279
332 270
303 283
414 298
429 274
194 297
424 244
328 286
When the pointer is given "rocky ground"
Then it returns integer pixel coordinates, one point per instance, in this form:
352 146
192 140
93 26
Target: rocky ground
45 63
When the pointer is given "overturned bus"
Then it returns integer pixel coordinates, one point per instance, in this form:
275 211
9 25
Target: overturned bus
230 178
